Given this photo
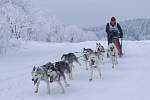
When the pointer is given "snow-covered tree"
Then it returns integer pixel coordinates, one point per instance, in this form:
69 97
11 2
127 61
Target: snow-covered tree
17 22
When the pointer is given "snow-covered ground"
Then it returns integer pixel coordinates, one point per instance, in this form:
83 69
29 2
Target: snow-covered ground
130 80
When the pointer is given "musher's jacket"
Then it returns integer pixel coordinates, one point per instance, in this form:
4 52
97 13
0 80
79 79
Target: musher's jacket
114 30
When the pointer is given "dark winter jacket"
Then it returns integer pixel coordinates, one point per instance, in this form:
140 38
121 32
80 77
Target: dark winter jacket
116 33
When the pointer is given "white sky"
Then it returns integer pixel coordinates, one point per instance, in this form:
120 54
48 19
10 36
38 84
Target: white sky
86 13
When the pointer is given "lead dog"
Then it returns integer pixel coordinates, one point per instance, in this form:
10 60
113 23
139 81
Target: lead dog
46 73
113 53
38 74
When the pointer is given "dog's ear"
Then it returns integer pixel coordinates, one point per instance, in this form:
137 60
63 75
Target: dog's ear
62 56
34 68
38 68
51 65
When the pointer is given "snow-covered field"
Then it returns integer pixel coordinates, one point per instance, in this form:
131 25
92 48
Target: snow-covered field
130 80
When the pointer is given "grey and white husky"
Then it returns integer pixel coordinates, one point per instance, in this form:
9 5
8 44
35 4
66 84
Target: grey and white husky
38 74
86 52
94 63
100 51
60 66
63 67
91 59
113 53
47 73
70 58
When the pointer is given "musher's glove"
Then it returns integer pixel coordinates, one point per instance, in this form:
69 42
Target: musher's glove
121 36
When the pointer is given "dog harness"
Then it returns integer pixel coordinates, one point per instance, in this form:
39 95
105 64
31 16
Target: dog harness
113 29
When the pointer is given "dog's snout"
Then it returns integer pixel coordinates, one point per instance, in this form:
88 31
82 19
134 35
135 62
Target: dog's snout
32 79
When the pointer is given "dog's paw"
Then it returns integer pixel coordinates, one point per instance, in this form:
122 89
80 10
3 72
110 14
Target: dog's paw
113 67
90 79
35 91
51 81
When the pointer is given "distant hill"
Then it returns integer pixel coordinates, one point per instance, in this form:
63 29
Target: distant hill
137 29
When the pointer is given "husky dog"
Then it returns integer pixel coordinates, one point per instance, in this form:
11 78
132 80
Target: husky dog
63 67
100 51
86 53
55 74
113 53
94 63
60 66
38 74
46 73
70 58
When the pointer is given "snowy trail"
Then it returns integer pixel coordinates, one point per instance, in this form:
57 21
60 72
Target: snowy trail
128 81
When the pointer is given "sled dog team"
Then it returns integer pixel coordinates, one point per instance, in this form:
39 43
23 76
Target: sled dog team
57 71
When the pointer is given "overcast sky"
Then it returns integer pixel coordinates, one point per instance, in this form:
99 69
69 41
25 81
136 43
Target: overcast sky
86 13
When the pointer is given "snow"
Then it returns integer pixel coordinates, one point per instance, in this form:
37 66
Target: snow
128 81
